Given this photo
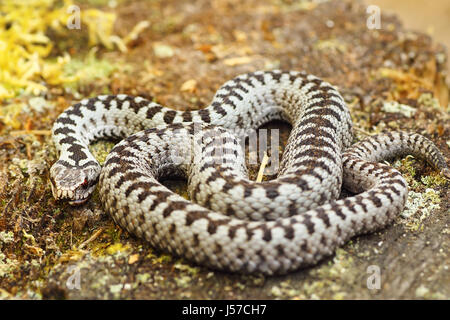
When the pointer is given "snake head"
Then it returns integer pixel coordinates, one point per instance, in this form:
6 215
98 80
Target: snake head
74 184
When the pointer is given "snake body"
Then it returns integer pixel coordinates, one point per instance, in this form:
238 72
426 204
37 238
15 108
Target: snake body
236 224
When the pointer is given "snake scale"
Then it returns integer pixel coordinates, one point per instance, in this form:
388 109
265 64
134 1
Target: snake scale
236 224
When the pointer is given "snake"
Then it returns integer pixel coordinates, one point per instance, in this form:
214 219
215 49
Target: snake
231 223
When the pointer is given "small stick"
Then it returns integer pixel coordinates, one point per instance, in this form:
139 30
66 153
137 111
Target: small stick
92 238
264 162
35 132
363 131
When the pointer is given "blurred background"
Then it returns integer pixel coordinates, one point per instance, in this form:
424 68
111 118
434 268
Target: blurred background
53 53
429 16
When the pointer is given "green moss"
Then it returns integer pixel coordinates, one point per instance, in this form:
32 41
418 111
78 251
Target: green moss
8 266
395 107
101 149
6 237
419 206
88 70
433 180
164 258
427 100
186 268
183 281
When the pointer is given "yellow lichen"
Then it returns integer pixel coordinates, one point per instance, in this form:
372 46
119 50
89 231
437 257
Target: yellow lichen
433 180
117 248
331 45
419 207
395 107
428 100
25 63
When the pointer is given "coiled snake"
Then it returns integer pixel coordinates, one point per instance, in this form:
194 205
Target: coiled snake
236 224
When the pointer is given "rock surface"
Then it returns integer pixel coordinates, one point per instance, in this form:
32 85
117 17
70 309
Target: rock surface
50 250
